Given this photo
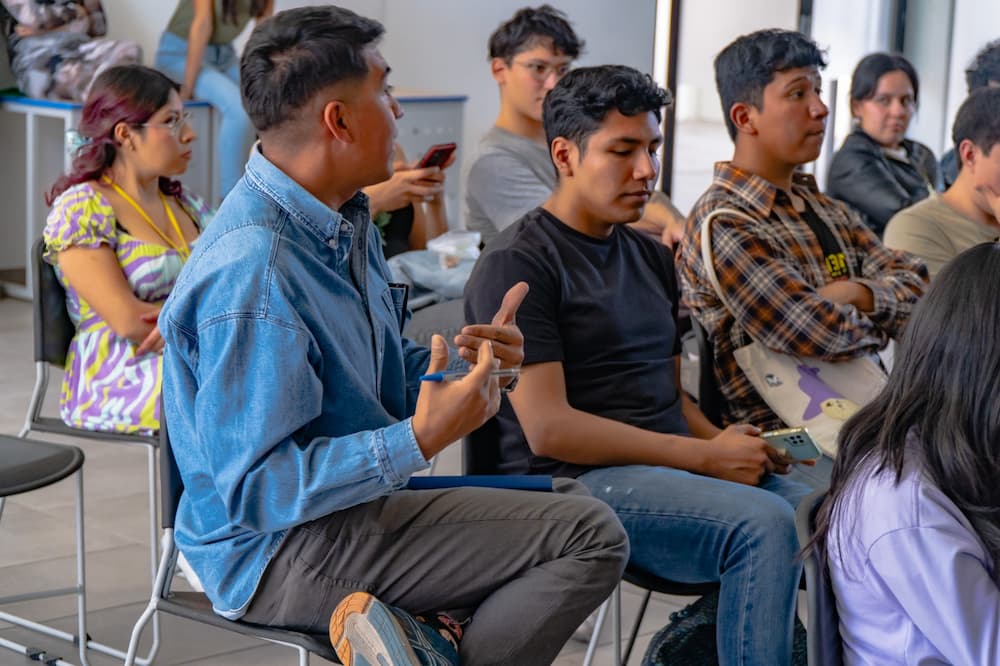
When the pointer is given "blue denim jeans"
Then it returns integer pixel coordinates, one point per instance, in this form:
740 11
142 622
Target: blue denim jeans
693 529
218 83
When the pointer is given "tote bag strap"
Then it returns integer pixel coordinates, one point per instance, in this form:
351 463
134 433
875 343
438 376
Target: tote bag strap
706 250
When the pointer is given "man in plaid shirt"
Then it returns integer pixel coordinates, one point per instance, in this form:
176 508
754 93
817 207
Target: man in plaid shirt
805 276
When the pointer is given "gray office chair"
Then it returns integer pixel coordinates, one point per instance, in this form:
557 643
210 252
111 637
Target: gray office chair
481 455
53 333
27 465
195 606
823 642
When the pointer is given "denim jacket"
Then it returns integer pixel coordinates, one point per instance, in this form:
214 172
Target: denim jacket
287 385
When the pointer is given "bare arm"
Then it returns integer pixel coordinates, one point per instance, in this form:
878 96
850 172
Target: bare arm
97 277
430 220
555 429
430 217
198 36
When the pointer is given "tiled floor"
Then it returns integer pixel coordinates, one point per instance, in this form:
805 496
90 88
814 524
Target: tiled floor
37 546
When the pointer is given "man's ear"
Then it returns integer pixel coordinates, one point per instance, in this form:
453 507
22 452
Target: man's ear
743 116
339 121
565 155
967 153
499 69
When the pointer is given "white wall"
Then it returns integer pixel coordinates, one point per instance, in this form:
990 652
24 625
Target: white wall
706 27
927 44
976 23
439 46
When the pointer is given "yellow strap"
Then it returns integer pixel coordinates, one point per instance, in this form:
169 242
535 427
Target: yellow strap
177 229
184 250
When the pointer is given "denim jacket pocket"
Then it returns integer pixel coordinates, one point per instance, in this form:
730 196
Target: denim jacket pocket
399 294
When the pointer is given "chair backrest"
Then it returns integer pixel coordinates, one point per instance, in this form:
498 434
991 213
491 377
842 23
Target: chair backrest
53 328
481 449
823 633
171 485
710 398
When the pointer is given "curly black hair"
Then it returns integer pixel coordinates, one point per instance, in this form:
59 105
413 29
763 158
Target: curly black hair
579 103
985 68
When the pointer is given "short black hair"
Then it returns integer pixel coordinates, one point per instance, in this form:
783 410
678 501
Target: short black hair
978 120
745 67
581 100
531 25
985 68
871 68
295 53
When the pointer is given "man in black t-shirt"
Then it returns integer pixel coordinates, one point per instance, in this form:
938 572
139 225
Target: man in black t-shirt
598 396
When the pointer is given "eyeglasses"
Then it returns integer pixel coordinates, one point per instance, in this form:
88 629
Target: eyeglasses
174 125
885 101
541 70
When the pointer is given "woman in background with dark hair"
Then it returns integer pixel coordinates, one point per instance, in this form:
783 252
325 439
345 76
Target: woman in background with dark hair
877 170
197 50
118 233
910 528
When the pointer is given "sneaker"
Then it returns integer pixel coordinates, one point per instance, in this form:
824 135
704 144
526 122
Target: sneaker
366 632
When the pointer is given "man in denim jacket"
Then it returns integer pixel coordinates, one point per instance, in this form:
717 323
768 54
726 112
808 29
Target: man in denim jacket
297 415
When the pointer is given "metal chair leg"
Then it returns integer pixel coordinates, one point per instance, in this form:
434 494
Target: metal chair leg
616 607
81 572
35 404
80 639
635 626
164 573
588 659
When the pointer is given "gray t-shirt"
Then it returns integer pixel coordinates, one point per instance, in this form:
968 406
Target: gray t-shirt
510 176
935 232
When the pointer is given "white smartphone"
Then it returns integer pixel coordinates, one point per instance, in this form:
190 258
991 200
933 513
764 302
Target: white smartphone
796 442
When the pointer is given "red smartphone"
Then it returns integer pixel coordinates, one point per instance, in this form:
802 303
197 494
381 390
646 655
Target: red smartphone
436 155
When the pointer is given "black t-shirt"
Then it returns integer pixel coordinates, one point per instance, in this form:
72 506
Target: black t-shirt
605 308
833 251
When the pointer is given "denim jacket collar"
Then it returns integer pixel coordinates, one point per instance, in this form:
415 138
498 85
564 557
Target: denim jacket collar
263 176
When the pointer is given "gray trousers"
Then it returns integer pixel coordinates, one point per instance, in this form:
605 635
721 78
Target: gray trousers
529 566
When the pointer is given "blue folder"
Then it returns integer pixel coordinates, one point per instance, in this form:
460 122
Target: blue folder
539 482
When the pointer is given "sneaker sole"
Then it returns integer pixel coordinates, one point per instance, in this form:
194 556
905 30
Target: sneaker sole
364 632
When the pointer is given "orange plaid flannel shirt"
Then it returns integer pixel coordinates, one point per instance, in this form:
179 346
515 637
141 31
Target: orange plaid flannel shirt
769 272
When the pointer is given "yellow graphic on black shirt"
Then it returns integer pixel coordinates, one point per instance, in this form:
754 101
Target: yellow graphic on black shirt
837 265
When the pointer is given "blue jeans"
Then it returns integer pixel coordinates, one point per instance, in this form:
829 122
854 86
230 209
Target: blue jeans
218 83
694 529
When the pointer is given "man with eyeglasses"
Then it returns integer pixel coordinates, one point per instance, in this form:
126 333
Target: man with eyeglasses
513 172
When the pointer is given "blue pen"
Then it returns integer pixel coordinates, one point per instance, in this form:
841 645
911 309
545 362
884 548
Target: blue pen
455 376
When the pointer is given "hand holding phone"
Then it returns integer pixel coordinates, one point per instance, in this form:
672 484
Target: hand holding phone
436 155
796 443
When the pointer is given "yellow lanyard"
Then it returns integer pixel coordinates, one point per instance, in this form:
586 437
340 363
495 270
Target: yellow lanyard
184 250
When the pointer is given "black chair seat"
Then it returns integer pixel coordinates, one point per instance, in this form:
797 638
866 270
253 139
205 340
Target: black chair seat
57 427
196 606
27 464
640 578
